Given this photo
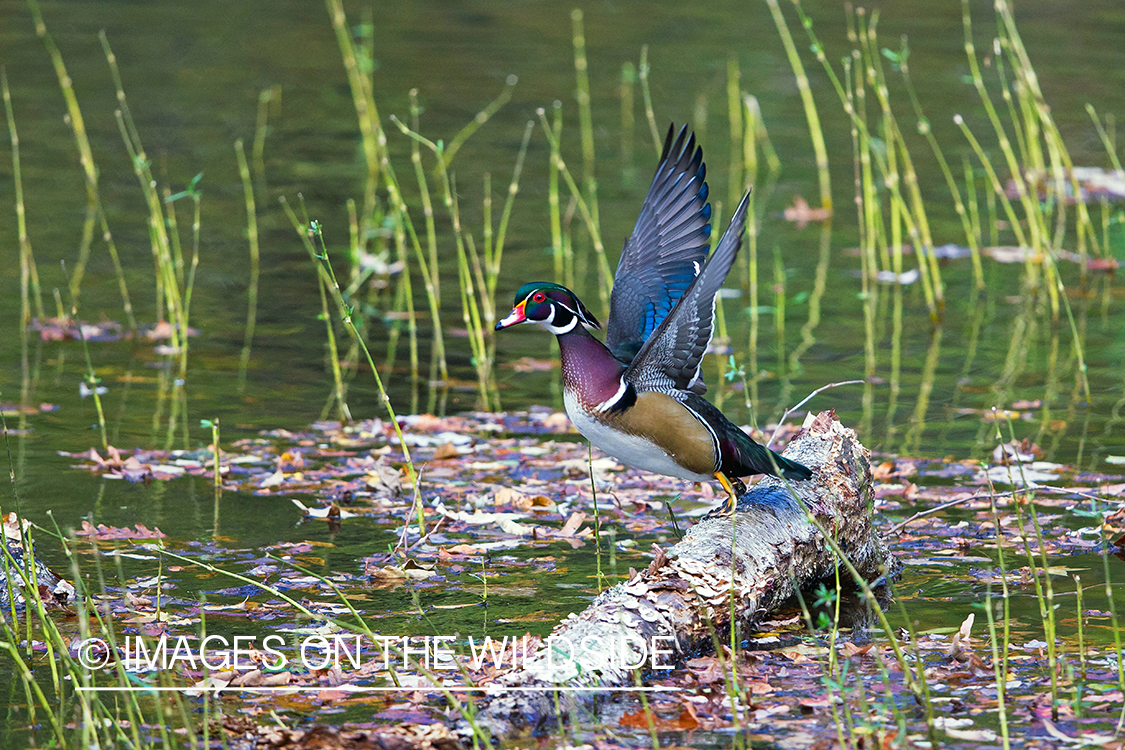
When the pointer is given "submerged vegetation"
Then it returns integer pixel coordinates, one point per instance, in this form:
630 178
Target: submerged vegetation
830 669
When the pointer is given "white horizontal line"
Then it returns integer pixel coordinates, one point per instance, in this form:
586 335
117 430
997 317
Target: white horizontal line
365 689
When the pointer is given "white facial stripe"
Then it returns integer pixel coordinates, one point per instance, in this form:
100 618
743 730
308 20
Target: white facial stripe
568 309
549 323
565 329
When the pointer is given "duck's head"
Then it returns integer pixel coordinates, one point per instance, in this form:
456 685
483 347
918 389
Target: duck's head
552 306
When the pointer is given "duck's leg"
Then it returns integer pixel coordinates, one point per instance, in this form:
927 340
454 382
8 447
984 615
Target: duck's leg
734 489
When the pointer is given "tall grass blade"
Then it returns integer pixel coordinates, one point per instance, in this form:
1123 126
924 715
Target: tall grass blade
252 239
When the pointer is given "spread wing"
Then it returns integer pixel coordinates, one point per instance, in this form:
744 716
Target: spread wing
668 245
669 360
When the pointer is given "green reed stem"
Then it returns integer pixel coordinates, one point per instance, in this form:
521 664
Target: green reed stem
828 679
1038 235
481 118
427 202
29 271
174 237
999 653
1056 281
756 125
604 273
252 237
367 113
1044 590
412 474
597 516
815 130
628 107
997 188
913 214
167 280
91 379
429 272
916 683
646 95
1117 639
553 206
1039 116
585 120
324 268
886 161
334 356
1107 142
267 97
1081 635
972 201
473 298
737 184
779 306
407 287
86 159
493 270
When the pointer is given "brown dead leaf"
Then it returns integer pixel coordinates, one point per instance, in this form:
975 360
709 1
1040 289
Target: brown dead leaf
803 214
882 471
508 496
101 532
557 422
758 687
530 364
960 648
458 549
572 524
252 678
639 719
426 423
384 478
1025 404
445 451
707 670
388 576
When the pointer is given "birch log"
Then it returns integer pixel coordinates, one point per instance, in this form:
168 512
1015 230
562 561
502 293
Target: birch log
686 593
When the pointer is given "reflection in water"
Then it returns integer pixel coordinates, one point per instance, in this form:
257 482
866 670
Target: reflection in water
819 284
29 383
913 440
190 111
976 317
896 363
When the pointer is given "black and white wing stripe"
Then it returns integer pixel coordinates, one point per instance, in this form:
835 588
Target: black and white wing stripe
669 360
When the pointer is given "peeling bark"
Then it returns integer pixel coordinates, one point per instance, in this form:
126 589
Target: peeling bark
16 574
686 593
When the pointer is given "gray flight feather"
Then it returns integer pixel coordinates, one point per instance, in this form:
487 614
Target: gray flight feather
668 246
669 361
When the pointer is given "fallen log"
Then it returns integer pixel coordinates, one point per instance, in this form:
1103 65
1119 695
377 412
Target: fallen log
669 611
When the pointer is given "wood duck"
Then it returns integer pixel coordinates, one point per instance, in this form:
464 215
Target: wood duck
638 396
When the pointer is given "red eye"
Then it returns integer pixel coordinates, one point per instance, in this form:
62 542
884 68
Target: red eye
538 297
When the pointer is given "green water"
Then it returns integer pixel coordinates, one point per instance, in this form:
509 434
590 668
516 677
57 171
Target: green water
193 73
